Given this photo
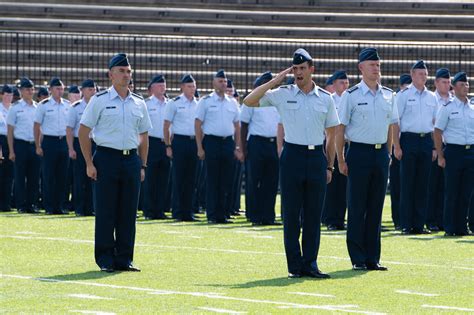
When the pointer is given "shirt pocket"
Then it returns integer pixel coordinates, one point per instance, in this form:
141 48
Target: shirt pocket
231 113
136 117
320 113
361 112
181 109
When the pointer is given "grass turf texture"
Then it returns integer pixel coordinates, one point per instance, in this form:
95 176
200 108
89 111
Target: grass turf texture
201 268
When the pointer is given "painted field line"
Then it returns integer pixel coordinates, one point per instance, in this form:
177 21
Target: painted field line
194 294
338 307
415 293
91 312
89 296
219 310
233 251
443 307
313 294
27 233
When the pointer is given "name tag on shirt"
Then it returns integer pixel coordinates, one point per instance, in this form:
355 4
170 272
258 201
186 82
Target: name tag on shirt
361 104
454 115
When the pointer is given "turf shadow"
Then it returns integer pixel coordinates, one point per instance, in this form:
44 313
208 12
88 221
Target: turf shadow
88 275
347 274
275 282
465 241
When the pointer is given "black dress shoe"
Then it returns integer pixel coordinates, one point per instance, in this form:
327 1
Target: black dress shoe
433 228
190 219
162 217
398 227
376 266
294 275
106 269
315 273
224 221
271 223
332 227
147 218
359 267
257 223
449 234
406 231
421 231
130 267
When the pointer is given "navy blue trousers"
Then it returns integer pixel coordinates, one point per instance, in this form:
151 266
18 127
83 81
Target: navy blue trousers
200 183
434 215
157 200
55 164
303 185
27 170
220 170
367 183
415 169
335 201
395 190
184 172
116 200
6 176
459 187
234 197
82 183
262 178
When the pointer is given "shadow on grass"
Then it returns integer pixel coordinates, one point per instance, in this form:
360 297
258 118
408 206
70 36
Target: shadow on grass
465 241
88 275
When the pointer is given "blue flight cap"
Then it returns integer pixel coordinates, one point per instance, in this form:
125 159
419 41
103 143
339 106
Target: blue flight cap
157 79
300 56
196 94
262 79
230 85
26 83
420 64
16 93
88 83
405 78
42 91
187 78
131 82
236 94
7 89
119 60
74 89
55 82
459 77
220 74
368 54
330 80
339 75
442 73
290 81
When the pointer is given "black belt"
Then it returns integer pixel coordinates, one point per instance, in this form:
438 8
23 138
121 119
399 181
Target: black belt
156 139
420 135
25 141
54 137
115 151
309 147
218 137
461 146
270 139
376 146
184 137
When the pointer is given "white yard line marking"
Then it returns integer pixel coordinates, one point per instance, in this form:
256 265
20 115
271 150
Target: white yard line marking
234 251
219 310
415 293
333 306
449 308
89 296
313 294
91 312
27 233
194 294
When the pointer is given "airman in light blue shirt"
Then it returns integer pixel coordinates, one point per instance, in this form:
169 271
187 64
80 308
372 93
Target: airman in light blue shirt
156 110
456 120
262 121
21 117
218 114
181 112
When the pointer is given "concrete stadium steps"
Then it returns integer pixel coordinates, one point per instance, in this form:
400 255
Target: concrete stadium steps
234 17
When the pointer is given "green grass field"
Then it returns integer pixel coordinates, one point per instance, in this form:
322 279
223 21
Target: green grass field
47 266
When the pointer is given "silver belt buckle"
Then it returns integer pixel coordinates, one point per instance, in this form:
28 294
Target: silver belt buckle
468 147
272 139
422 135
378 146
311 147
125 152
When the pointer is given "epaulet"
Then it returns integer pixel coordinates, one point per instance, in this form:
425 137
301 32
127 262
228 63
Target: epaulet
102 93
352 89
176 98
386 88
324 91
46 100
284 86
449 102
76 103
401 91
148 99
205 97
138 95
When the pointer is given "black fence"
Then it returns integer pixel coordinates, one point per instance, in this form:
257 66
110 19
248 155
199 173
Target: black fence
74 57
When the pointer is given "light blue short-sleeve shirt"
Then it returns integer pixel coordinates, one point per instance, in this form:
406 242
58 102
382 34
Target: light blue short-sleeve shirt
52 116
417 109
156 110
456 120
181 113
304 116
366 116
21 117
117 122
262 121
74 116
3 120
218 114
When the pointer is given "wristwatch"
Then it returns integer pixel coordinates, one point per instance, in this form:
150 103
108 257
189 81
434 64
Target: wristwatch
330 168
144 167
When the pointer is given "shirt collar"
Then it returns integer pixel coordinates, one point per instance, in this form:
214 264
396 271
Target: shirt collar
113 94
315 90
365 88
217 97
415 90
457 100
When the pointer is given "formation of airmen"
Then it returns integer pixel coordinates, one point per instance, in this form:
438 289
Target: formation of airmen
327 149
